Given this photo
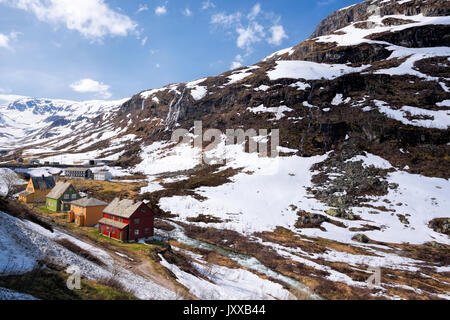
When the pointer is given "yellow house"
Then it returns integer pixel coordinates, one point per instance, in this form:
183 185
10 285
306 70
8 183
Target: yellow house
37 189
86 211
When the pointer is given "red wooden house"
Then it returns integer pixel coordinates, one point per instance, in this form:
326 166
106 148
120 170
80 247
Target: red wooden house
126 220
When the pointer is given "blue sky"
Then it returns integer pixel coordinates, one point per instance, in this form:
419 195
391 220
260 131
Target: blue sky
111 49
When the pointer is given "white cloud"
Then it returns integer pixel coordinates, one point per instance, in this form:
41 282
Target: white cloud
325 2
157 65
142 8
144 41
187 12
226 20
251 29
5 39
256 10
91 18
278 34
250 35
160 10
208 4
237 63
91 86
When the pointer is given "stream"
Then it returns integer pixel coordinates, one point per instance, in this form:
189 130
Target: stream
248 262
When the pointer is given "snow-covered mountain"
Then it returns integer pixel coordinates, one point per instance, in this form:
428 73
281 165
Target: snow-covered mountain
56 126
362 181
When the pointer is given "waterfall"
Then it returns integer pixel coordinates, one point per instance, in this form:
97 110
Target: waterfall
174 110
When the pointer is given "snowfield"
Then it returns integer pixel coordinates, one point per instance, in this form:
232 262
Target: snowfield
437 119
262 196
240 75
262 200
253 202
277 111
197 92
228 284
307 70
6 294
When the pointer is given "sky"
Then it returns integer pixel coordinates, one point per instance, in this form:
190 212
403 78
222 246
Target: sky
113 49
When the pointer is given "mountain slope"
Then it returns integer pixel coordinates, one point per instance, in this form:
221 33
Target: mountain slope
45 127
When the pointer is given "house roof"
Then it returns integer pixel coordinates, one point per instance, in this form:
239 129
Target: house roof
122 208
43 183
58 190
89 202
113 223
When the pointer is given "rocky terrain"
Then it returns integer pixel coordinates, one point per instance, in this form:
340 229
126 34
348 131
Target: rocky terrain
362 181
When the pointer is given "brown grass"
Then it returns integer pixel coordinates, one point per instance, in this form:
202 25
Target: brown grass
106 190
205 219
22 211
162 225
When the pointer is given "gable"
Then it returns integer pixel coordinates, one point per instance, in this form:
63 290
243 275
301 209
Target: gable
69 191
42 183
143 209
30 185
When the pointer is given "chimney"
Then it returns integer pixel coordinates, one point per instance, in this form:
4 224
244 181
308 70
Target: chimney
43 176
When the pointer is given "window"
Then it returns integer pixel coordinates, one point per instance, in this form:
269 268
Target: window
142 210
147 230
136 221
74 196
136 232
66 196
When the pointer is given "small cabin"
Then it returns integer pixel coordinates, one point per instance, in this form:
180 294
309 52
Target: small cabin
60 197
37 189
127 220
86 211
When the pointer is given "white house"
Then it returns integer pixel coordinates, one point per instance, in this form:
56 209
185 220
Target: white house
103 175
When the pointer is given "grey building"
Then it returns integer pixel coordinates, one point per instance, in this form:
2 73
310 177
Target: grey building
103 175
83 173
